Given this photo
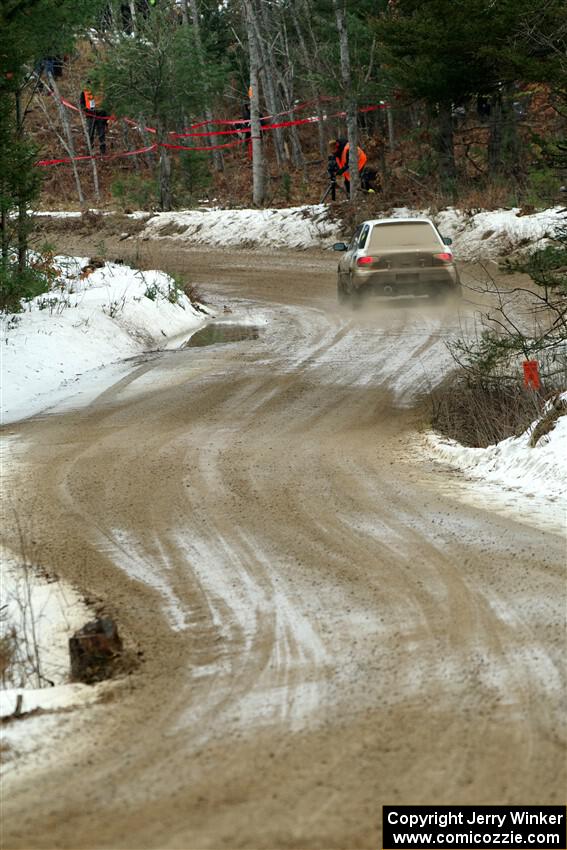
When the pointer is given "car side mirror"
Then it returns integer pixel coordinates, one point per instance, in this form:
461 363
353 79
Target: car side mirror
340 246
447 240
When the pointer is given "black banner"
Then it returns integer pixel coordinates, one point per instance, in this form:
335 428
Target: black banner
481 827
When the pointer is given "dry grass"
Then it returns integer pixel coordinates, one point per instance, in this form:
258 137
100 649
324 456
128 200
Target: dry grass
194 295
480 413
488 197
7 643
7 653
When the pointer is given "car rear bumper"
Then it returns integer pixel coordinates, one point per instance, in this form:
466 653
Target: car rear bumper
406 282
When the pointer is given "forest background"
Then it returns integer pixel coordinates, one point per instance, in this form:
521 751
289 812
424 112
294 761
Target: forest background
453 103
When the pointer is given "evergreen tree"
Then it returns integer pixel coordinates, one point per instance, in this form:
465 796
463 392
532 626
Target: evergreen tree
31 30
160 76
446 53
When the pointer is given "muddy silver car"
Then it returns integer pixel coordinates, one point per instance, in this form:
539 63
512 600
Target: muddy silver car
396 257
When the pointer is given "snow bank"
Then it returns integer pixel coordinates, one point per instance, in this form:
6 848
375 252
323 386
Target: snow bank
293 227
490 235
513 463
47 723
46 699
85 322
476 236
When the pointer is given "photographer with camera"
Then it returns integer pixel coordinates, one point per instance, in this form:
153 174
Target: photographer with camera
340 156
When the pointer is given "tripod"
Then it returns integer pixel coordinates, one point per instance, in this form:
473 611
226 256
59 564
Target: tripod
332 188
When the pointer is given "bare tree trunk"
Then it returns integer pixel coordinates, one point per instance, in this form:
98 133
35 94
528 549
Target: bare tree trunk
495 137
132 4
22 209
5 237
287 88
165 199
306 56
258 177
446 148
503 146
268 74
391 132
350 99
148 140
70 144
217 156
90 150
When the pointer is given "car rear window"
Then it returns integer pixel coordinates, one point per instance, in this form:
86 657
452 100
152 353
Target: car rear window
418 234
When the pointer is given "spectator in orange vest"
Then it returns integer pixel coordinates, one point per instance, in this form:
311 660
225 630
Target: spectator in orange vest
97 119
341 150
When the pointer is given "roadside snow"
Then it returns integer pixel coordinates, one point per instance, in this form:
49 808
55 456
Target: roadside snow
489 235
294 227
44 613
46 699
513 463
476 236
85 323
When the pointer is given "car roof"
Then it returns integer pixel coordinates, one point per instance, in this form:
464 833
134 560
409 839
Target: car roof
408 220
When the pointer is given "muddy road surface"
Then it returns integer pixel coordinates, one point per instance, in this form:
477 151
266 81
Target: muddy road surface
326 626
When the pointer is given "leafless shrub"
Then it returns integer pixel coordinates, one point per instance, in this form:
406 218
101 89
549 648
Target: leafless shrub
480 413
21 620
7 644
192 292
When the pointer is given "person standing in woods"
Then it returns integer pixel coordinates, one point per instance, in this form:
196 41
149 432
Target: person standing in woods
97 119
340 149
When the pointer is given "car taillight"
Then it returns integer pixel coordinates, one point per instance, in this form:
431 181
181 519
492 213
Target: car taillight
365 261
445 257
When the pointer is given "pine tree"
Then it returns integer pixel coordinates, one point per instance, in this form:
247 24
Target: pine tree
447 53
159 75
31 30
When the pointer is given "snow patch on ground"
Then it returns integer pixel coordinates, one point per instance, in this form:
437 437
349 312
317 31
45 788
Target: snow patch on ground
477 236
483 235
44 613
537 471
294 227
489 235
45 699
84 323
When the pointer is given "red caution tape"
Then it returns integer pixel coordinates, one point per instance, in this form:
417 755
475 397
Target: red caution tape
241 126
235 123
103 156
147 149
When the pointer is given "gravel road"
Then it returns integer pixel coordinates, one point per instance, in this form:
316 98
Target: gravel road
325 626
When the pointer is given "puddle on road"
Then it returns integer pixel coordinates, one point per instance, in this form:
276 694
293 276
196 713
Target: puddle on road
216 333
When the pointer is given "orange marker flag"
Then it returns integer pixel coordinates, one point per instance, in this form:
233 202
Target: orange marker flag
531 374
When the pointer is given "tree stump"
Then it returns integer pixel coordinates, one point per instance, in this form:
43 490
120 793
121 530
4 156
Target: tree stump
94 650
